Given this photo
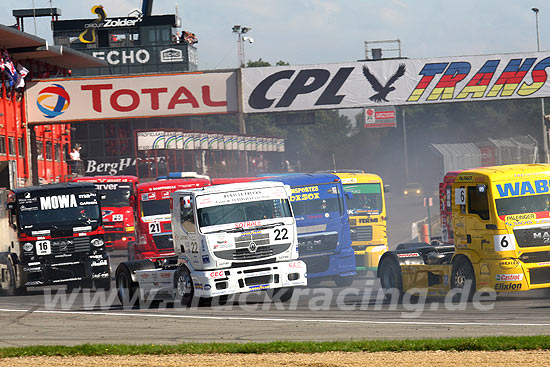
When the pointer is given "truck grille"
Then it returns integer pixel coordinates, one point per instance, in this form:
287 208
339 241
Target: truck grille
540 275
61 246
317 264
535 257
532 237
361 233
318 243
163 241
244 254
260 239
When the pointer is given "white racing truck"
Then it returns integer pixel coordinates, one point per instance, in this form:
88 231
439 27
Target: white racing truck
228 239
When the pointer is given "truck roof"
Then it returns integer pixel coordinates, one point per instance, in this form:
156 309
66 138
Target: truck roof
234 187
106 179
509 172
305 179
359 177
57 186
175 184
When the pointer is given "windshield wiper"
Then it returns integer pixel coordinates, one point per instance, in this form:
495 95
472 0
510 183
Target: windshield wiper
265 226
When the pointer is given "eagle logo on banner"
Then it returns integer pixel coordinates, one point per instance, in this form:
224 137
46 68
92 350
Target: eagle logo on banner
383 91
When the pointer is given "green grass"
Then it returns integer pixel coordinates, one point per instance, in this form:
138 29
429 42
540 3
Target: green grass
498 343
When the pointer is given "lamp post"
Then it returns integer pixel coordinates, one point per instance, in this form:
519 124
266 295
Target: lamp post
240 30
544 157
536 10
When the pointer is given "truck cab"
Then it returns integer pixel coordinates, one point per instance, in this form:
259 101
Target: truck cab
367 217
52 235
117 208
319 205
154 223
227 239
500 220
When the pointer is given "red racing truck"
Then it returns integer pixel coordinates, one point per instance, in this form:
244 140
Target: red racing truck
154 222
118 200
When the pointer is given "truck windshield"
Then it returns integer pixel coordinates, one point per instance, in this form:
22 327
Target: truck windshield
367 199
317 199
115 198
155 207
58 208
243 212
523 204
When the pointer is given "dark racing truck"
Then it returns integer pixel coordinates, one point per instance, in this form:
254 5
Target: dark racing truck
52 235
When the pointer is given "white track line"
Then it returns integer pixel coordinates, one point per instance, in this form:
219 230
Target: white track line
242 318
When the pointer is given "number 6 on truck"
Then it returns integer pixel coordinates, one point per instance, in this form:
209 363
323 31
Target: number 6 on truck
505 242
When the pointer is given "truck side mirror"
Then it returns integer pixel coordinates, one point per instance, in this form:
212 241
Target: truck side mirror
349 195
132 201
386 188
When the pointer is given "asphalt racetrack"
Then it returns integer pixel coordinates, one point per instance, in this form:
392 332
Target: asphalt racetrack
322 312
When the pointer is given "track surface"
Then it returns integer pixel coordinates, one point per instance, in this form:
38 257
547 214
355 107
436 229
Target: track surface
323 312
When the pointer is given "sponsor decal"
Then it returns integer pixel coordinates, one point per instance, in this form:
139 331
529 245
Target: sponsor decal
520 217
523 188
198 286
508 286
58 202
99 263
53 101
508 264
259 287
545 263
295 265
217 274
412 254
205 259
508 277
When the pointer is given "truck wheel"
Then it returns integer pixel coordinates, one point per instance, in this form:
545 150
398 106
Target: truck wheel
343 281
127 290
390 277
281 294
12 290
462 272
183 284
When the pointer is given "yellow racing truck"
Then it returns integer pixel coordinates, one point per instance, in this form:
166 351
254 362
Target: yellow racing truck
501 224
367 217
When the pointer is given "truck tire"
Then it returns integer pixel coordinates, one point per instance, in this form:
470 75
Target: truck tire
391 277
127 290
281 294
343 282
462 272
183 284
12 289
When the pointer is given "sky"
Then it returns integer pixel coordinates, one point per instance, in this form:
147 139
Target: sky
321 31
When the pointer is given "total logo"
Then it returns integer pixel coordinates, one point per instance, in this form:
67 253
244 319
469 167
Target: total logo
53 101
509 277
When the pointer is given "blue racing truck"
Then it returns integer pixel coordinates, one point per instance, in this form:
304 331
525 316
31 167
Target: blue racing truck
324 241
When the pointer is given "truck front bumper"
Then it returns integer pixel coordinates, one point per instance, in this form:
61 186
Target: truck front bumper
249 279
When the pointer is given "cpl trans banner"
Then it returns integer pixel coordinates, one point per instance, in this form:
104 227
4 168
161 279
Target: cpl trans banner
56 100
396 82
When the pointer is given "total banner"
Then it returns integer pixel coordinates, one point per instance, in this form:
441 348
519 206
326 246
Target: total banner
396 82
83 99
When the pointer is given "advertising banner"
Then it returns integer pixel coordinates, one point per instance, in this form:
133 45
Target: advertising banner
204 139
213 141
196 141
147 140
242 142
170 139
188 141
396 82
234 142
379 117
65 100
280 145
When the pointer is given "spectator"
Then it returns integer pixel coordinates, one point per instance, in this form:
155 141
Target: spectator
75 161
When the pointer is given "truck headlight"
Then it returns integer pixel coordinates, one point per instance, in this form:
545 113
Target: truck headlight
28 247
97 242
